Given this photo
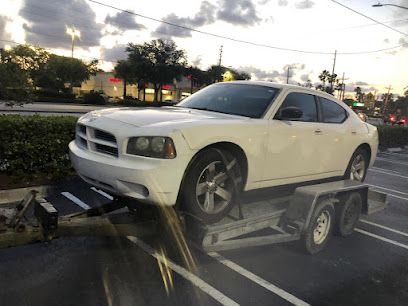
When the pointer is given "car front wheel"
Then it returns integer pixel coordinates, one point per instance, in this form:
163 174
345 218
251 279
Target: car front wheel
211 185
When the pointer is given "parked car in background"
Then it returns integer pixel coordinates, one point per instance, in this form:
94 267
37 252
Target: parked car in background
362 116
395 119
227 138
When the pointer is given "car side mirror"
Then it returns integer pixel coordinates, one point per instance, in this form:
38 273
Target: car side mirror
290 113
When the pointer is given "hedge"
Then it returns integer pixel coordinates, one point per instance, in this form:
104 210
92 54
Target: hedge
392 136
32 145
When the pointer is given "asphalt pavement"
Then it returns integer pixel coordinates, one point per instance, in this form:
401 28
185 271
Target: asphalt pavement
40 108
368 268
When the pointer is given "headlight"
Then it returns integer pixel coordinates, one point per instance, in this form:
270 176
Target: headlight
151 146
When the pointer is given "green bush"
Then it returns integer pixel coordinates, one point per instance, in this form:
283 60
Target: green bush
47 95
35 144
392 136
94 98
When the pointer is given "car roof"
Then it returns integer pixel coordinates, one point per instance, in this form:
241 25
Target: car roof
284 86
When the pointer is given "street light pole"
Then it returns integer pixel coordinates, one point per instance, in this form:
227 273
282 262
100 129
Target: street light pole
74 33
389 4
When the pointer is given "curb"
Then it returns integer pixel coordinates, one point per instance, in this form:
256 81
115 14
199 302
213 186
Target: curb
16 195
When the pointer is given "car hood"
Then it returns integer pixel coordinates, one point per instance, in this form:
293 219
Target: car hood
142 117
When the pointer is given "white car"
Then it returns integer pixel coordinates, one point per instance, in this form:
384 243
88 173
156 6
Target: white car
226 138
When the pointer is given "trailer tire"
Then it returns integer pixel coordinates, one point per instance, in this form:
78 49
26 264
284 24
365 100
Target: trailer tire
320 227
348 214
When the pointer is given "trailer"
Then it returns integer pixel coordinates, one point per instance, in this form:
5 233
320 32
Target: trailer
310 214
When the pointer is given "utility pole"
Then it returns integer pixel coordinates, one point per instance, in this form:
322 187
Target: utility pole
220 58
287 75
386 99
334 65
219 65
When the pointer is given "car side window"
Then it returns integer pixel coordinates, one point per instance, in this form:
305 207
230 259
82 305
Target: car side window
332 112
305 102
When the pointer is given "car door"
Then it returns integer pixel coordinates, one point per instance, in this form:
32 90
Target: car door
294 144
335 135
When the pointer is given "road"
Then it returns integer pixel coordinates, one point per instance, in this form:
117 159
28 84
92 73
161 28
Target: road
368 268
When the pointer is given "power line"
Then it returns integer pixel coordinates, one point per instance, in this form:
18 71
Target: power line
235 39
368 17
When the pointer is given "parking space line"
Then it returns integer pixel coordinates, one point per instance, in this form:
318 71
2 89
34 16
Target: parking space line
102 193
74 199
391 161
195 280
388 173
392 190
404 246
384 227
258 280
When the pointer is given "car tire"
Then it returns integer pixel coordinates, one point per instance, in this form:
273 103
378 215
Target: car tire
347 214
359 156
320 227
209 191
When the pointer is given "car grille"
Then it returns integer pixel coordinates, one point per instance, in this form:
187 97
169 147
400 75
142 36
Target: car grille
96 140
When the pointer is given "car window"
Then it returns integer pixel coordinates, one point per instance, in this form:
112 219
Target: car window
305 102
236 99
332 112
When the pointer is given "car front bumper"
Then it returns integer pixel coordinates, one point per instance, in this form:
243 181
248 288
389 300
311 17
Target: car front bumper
150 180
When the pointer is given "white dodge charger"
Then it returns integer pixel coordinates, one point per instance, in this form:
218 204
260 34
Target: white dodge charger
224 139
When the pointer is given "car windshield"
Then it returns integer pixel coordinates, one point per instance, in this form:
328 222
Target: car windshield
235 99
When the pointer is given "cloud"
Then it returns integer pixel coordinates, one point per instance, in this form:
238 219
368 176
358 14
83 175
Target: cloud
3 33
197 61
259 74
283 2
305 77
114 54
386 40
305 4
124 21
403 42
238 12
47 23
360 83
205 15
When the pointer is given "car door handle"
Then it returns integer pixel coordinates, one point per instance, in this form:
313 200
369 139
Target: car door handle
318 131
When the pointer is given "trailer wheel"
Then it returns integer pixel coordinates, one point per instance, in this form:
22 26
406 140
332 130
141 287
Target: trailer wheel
320 227
348 214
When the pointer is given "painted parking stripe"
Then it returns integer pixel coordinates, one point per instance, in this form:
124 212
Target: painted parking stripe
404 246
391 161
388 173
384 227
75 200
195 280
102 193
392 190
258 280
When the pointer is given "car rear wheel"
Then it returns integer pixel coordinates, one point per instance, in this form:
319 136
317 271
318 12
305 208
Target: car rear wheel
211 185
357 167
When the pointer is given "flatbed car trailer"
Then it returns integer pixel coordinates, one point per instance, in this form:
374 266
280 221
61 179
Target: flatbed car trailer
309 214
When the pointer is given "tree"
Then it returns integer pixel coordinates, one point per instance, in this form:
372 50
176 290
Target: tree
61 72
327 79
359 94
369 100
215 73
123 70
158 62
197 77
15 84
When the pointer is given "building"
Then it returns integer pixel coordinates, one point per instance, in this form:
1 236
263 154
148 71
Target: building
108 84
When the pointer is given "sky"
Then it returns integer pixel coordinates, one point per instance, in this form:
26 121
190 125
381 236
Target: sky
319 26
